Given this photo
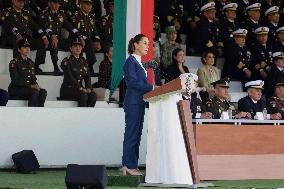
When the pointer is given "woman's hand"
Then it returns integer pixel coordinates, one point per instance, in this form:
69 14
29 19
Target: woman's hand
180 67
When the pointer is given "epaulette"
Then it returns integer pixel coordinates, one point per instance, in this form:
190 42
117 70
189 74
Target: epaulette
272 102
26 11
6 12
14 61
65 61
209 103
273 98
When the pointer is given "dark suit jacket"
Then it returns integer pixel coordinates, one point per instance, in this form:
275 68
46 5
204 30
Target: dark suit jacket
136 82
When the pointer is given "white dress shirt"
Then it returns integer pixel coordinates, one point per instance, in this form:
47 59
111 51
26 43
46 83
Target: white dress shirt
138 58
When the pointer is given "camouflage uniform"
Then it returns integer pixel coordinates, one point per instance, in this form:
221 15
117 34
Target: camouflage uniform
166 53
216 107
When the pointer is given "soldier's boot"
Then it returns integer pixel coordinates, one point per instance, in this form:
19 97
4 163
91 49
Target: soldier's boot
38 70
54 58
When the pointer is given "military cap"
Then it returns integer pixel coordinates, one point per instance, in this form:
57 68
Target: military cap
171 29
257 84
240 32
255 6
274 9
23 43
278 55
76 42
230 7
280 30
224 83
208 6
86 1
261 30
280 82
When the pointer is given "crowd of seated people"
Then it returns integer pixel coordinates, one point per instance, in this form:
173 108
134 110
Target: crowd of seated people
245 33
42 23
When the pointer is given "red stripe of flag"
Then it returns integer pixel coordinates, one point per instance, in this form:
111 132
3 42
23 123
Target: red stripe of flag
147 14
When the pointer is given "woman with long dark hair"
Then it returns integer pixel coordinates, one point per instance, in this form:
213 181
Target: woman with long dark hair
177 67
134 106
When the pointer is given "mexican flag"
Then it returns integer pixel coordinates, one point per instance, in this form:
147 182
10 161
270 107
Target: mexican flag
131 17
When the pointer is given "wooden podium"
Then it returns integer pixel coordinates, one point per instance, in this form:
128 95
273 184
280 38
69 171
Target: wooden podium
171 150
179 152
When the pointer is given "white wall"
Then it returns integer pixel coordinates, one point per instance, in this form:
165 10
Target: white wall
60 136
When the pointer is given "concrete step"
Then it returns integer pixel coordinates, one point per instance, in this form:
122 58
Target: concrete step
60 104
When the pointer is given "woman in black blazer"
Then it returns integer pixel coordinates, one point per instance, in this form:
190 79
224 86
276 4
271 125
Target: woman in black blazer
177 67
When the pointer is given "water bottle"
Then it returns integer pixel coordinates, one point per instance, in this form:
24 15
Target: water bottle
198 109
230 113
264 112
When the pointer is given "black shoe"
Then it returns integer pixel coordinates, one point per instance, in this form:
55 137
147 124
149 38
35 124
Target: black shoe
91 69
57 71
38 70
112 100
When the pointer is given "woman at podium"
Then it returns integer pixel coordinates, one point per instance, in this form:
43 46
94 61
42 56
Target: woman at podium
134 106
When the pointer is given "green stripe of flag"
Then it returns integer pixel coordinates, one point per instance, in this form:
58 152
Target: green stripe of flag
119 48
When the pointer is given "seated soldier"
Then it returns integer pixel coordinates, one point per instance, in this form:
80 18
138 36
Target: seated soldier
23 80
279 44
220 102
75 70
261 54
238 61
277 71
275 103
254 102
104 78
168 47
198 110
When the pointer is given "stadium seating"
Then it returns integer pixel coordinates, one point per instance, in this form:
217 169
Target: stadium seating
52 83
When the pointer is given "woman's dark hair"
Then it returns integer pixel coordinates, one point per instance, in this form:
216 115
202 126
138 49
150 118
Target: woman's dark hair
136 39
205 54
106 50
174 54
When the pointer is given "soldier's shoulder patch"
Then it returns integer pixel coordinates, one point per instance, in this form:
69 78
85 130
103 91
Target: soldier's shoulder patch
14 61
65 61
6 12
209 103
272 103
